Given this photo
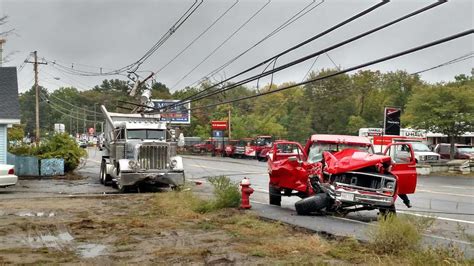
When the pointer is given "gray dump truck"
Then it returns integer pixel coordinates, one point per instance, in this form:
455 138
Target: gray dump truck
138 152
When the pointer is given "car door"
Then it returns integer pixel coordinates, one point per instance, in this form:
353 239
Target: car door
287 166
403 166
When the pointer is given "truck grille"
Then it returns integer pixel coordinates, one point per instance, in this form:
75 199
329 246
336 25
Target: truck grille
153 156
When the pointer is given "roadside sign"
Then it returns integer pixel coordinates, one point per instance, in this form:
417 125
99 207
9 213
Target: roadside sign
217 133
175 115
219 125
392 121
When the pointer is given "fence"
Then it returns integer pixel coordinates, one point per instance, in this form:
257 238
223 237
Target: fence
33 166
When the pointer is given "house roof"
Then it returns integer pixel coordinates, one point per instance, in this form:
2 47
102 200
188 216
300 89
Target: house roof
9 104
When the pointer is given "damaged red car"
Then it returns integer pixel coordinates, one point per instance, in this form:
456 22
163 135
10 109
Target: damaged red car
338 173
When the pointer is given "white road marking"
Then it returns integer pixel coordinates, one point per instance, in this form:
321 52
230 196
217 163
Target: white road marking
468 188
437 217
444 193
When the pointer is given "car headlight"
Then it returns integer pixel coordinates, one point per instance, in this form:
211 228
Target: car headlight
390 185
173 163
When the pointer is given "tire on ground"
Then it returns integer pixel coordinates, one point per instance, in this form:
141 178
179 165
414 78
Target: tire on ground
312 204
274 195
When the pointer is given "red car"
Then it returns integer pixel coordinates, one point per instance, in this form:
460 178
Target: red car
230 148
206 146
340 173
243 148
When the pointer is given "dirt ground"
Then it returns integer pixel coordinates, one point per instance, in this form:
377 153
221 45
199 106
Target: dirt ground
135 228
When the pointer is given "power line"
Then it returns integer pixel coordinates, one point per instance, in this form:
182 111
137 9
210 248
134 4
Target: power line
315 37
305 58
310 68
68 103
373 62
453 61
222 44
285 24
198 37
58 109
133 67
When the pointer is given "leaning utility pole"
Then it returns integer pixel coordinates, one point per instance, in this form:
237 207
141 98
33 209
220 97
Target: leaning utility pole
35 69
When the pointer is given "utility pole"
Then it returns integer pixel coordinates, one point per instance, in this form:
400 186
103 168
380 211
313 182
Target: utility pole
84 122
35 69
228 121
95 118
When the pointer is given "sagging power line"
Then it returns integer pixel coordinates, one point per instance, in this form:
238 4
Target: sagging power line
301 44
196 96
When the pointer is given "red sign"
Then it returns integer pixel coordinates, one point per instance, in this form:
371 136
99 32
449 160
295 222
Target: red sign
219 125
91 131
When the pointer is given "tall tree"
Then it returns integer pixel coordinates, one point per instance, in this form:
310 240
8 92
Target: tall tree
443 108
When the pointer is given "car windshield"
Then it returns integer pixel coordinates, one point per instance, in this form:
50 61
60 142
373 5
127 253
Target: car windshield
263 141
466 149
316 150
146 134
420 147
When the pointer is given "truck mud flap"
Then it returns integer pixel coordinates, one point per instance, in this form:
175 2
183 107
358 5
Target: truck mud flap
312 204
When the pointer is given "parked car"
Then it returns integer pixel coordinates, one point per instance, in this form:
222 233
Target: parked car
82 144
461 151
230 148
7 175
338 173
206 146
423 154
243 148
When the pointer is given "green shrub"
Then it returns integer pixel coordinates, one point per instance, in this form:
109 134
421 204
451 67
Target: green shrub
226 195
57 146
398 234
226 192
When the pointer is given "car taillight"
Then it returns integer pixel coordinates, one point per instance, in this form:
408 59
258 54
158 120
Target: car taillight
11 171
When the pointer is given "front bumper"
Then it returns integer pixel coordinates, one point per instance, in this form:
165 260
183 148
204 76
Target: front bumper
355 198
166 177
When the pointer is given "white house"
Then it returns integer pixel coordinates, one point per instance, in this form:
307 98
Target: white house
9 106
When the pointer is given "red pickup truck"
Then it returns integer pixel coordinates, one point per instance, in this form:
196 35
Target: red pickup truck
338 173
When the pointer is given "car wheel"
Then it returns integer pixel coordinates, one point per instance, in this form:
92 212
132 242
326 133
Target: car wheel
274 195
312 204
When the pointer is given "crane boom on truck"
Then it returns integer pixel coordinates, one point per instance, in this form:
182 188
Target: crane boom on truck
138 150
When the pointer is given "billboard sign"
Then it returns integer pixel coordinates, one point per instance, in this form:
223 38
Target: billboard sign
219 125
392 121
175 115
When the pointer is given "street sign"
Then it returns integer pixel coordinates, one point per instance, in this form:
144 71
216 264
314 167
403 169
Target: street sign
392 121
219 125
180 114
217 134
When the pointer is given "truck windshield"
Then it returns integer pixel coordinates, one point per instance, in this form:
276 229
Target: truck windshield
466 149
146 134
420 147
316 150
263 141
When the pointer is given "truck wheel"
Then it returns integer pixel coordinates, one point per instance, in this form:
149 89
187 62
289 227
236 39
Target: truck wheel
312 204
104 177
121 188
274 195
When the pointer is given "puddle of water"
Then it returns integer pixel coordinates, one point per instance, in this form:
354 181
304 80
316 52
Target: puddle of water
49 241
91 250
35 214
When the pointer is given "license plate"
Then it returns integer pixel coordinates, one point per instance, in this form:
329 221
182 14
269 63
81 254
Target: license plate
347 196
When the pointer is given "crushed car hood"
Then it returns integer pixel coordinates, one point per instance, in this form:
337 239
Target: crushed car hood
350 160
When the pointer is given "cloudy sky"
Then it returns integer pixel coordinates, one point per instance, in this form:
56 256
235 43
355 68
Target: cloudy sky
91 34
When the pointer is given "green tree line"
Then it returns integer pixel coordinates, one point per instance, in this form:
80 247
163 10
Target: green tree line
341 105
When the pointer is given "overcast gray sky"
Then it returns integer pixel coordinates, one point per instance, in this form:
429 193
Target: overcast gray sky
111 34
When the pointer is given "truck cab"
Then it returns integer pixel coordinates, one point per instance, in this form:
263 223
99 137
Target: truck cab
138 150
